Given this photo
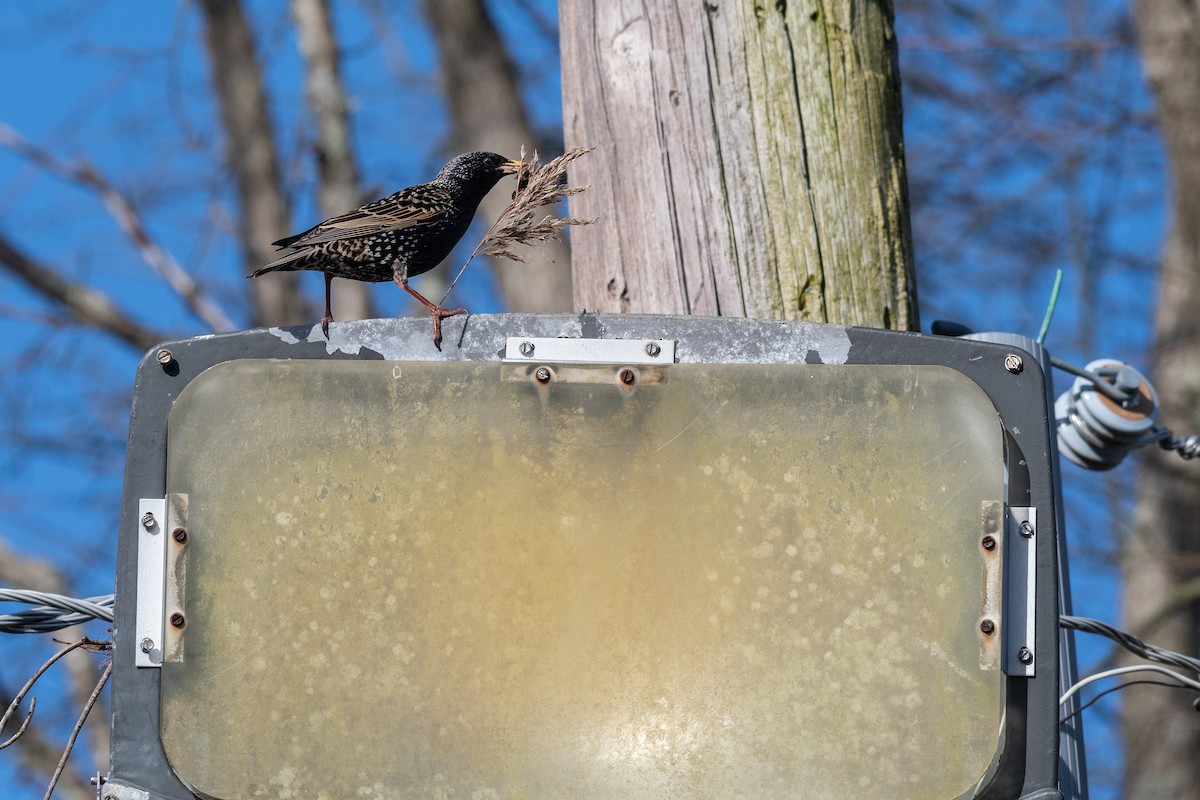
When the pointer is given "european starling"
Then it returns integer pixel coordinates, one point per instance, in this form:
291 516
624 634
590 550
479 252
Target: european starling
404 234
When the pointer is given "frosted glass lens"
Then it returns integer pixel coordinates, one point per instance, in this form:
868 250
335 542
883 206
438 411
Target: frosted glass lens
444 580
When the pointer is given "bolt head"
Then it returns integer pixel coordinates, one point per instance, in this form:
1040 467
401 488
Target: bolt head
542 374
177 620
989 543
988 627
526 348
627 377
148 521
1013 363
1026 528
652 349
179 535
164 356
147 644
1025 655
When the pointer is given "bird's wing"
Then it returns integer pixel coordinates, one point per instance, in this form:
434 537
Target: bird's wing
403 209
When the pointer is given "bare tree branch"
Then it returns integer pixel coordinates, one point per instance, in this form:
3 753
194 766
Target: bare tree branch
252 156
90 306
130 222
336 166
36 753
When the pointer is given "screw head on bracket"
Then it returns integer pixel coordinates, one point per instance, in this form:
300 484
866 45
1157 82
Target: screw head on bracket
987 627
988 542
1013 363
1025 655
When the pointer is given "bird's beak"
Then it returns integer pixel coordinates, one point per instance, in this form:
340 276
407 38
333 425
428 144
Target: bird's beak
511 167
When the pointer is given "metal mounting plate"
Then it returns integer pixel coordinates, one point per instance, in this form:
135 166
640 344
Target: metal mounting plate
151 563
1019 656
589 351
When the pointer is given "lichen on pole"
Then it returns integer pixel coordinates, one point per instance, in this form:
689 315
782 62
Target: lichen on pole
749 162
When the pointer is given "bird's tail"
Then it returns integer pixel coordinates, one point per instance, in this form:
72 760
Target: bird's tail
289 262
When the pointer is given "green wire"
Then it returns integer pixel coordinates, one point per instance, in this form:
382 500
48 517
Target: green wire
1041 337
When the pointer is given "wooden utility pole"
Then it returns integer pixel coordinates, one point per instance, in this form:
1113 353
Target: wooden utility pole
1161 559
749 160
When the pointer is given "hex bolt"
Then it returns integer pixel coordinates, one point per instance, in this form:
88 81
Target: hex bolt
988 627
989 543
1026 529
177 620
652 349
148 521
147 644
526 349
627 377
1013 363
165 356
179 535
542 374
1025 655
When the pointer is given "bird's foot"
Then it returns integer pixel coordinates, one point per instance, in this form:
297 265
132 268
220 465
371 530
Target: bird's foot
325 320
440 314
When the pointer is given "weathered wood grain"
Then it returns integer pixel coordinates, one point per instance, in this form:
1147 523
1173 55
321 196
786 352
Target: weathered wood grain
749 159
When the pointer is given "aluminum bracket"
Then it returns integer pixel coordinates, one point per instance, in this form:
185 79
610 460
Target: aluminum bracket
588 351
151 573
1019 655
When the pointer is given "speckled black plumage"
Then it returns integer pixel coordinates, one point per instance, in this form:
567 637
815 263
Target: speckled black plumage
399 236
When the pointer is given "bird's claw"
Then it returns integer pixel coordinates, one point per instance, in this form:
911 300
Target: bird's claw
440 314
325 325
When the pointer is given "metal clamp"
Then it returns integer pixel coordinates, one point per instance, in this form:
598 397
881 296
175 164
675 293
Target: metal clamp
589 351
1019 656
151 580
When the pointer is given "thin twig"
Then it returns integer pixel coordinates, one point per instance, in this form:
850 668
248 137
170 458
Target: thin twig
90 306
537 185
12 707
78 727
130 222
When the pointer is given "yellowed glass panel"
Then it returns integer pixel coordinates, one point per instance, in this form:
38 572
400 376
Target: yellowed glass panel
424 580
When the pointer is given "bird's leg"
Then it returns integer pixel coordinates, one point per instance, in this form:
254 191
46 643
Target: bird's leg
438 312
328 318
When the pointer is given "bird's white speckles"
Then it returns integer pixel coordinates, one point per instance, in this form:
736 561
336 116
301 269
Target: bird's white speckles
284 518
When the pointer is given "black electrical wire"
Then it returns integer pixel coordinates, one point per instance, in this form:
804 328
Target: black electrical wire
1117 688
1130 642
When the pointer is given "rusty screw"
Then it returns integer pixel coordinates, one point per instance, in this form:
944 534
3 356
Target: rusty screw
179 535
148 521
1013 363
1025 655
627 377
177 620
542 375
988 627
989 543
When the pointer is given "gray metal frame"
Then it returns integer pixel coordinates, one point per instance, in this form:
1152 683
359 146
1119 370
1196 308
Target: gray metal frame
1020 393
